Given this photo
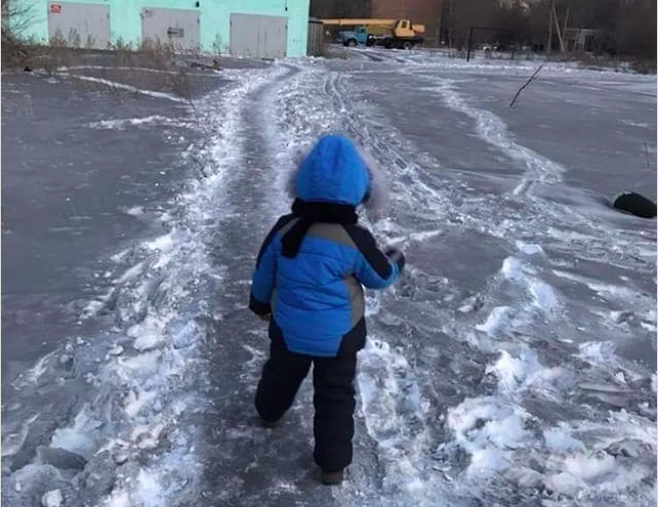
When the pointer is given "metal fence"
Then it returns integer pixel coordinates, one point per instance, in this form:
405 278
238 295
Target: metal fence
315 38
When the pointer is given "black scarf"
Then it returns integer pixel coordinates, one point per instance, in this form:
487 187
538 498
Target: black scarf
310 212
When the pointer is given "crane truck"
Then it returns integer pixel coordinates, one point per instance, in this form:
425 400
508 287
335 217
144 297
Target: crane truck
390 33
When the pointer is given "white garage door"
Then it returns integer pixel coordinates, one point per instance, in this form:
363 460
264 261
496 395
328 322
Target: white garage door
79 25
258 36
176 27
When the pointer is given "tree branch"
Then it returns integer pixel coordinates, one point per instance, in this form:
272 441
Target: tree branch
530 80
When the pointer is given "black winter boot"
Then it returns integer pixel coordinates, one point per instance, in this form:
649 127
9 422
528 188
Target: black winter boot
331 478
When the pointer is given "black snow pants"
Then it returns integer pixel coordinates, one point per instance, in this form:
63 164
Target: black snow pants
334 393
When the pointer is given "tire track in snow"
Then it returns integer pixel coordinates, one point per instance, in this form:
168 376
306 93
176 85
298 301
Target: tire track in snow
395 411
413 457
384 454
494 131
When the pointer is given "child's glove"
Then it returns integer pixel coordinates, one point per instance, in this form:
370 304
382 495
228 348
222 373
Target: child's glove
396 256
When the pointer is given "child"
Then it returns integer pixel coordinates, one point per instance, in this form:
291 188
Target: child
309 276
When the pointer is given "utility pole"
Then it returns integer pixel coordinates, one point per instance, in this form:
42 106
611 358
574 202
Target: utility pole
558 32
551 26
567 16
471 35
450 24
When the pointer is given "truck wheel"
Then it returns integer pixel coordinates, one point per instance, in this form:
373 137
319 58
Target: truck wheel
351 43
407 45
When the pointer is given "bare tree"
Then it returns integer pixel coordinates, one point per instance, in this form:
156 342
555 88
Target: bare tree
17 16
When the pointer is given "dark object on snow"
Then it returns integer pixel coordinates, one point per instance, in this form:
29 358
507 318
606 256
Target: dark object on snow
205 66
27 69
331 478
533 77
635 204
61 458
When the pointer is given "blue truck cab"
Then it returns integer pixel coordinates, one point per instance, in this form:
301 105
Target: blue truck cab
354 37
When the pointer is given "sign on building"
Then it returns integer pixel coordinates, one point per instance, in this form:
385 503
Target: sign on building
79 25
178 28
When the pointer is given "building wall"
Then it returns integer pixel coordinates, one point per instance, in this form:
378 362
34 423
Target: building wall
214 20
341 8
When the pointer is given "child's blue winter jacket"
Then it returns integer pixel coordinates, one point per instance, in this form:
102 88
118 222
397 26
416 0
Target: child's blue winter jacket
313 264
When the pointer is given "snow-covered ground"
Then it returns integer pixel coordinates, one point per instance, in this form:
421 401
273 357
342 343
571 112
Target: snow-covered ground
514 364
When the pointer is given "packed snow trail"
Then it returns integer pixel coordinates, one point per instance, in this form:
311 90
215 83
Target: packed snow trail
244 463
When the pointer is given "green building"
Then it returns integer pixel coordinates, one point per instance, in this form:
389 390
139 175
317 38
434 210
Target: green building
256 28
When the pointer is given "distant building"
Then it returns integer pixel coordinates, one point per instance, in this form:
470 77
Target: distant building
264 29
583 39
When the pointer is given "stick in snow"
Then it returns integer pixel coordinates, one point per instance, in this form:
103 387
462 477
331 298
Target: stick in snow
647 155
530 80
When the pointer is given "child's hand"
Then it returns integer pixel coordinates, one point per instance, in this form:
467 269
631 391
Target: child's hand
265 318
397 256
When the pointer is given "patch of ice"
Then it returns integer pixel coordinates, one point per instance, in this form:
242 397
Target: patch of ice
488 430
135 211
597 352
544 296
123 86
148 491
514 269
515 373
136 400
147 437
425 235
52 498
494 131
499 320
141 365
603 289
118 498
384 391
32 375
81 437
162 243
528 248
560 440
633 123
12 441
148 334
121 124
131 273
119 256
